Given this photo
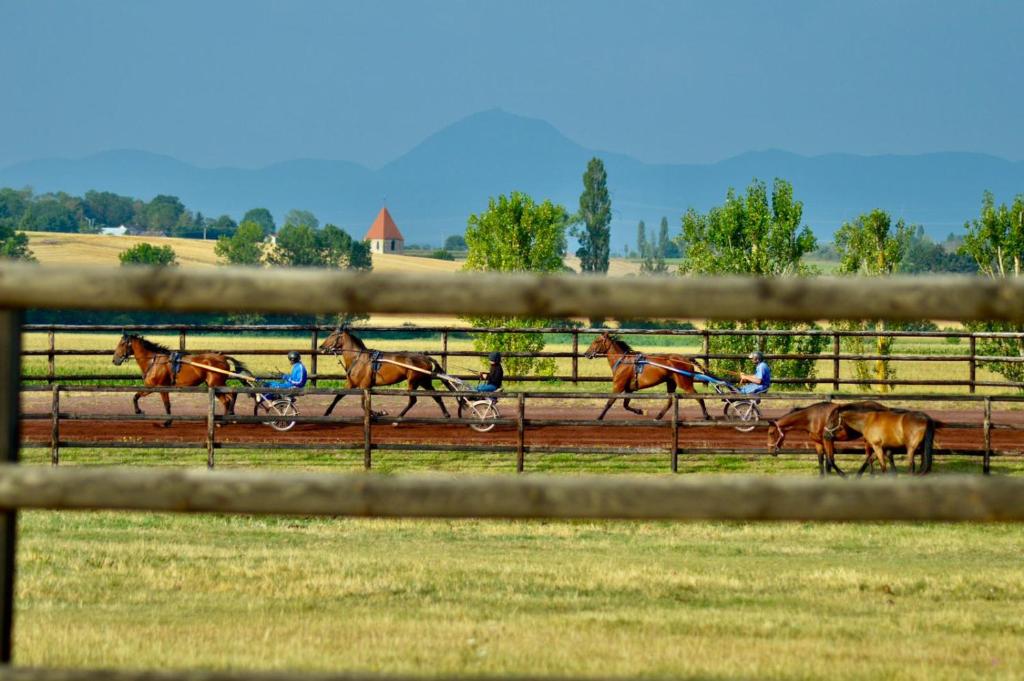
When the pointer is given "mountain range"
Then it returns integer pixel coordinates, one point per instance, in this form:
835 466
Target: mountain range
434 187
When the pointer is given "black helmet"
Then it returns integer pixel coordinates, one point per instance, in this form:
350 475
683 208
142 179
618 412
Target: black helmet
293 357
494 357
756 356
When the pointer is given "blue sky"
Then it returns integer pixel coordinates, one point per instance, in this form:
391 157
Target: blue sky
252 82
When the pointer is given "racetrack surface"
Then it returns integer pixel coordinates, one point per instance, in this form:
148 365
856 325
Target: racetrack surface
713 439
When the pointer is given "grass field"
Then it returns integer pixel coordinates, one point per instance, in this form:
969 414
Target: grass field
722 600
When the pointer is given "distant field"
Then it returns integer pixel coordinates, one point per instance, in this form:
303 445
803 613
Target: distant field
54 248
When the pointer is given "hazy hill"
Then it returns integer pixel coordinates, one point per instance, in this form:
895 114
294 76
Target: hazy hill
433 188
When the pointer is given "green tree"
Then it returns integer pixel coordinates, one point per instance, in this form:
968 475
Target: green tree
755 234
163 213
667 247
456 242
995 241
13 204
515 234
297 247
148 254
871 245
301 218
14 245
262 217
108 209
48 214
923 255
244 247
338 249
596 216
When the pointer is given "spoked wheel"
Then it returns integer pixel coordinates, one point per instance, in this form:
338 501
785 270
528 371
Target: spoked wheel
485 412
286 410
743 411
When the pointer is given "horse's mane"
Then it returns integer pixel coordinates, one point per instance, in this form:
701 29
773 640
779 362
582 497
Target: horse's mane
622 345
148 344
357 341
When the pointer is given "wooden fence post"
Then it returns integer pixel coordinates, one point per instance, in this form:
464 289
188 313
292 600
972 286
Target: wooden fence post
835 362
705 347
211 426
55 426
520 433
986 465
51 360
675 433
367 430
575 357
444 351
181 340
314 341
10 406
974 362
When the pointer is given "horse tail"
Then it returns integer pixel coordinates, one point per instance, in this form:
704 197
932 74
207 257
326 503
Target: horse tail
237 366
929 441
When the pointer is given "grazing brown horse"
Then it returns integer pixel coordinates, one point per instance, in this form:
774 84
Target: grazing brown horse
157 370
884 430
364 371
813 420
628 376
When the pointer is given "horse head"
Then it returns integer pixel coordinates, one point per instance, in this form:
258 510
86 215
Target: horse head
600 346
333 342
123 350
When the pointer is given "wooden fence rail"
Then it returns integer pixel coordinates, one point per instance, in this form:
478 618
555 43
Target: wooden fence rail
748 498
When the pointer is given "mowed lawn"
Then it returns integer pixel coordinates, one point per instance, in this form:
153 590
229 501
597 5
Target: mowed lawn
912 601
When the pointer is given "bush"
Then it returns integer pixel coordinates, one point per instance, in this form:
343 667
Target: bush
769 345
148 254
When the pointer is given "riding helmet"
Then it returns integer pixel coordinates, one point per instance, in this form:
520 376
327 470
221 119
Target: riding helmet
494 357
756 356
293 357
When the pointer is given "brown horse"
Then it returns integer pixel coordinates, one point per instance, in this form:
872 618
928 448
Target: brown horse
813 420
884 430
365 371
629 376
157 370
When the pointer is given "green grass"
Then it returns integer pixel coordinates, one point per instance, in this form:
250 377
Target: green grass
781 600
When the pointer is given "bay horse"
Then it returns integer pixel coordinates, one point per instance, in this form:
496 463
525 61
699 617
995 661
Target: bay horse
888 429
625 377
814 420
154 361
364 371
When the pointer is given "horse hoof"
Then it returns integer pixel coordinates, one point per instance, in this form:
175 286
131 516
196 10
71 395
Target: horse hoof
394 424
167 424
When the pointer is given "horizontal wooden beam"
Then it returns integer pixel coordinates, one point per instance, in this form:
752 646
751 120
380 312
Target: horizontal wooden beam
946 498
321 291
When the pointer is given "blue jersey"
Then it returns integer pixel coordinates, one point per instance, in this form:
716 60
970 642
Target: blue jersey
764 374
298 376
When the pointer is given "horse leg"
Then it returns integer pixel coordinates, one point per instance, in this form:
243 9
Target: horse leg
821 459
135 401
337 398
879 453
166 397
440 403
607 406
228 402
412 401
671 387
625 405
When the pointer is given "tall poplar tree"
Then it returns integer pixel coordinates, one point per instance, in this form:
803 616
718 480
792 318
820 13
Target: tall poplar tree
595 214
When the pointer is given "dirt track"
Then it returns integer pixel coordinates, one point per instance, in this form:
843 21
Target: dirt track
35 432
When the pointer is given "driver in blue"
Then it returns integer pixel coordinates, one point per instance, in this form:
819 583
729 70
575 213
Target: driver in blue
296 378
760 380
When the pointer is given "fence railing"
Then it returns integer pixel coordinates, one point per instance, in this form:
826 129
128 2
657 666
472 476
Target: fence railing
667 441
834 357
25 286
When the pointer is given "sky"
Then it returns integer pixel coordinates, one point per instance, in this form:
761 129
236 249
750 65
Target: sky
251 82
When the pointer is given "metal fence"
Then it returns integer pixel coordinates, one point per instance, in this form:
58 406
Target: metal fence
442 335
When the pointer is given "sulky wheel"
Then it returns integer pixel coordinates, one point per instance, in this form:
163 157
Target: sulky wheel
743 410
484 412
286 410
